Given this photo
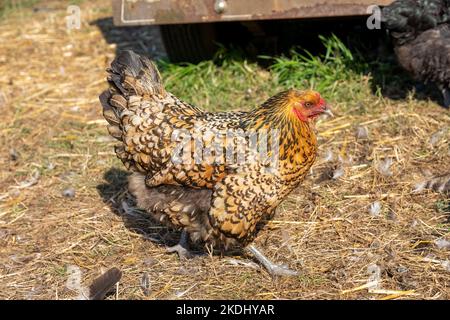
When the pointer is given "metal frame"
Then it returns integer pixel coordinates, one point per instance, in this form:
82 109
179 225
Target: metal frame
144 12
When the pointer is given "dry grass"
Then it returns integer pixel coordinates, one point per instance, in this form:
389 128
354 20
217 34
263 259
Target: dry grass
49 83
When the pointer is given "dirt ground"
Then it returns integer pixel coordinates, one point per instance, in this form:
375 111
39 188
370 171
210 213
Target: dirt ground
363 234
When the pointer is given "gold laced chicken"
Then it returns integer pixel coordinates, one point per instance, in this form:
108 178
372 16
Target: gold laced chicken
213 198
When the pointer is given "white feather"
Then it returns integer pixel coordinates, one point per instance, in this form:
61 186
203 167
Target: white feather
442 243
375 209
384 167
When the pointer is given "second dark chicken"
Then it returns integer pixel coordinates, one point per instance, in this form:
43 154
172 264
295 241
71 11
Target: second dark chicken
420 30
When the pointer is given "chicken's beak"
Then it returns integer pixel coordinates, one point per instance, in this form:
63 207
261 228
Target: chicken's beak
328 112
326 109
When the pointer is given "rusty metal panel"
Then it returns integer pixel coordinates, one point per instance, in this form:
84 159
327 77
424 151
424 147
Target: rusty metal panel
141 12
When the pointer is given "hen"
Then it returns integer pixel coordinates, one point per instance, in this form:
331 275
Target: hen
421 34
217 177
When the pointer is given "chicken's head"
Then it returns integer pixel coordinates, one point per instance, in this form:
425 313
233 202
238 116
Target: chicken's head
308 105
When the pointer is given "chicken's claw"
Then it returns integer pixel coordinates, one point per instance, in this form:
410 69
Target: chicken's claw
182 247
273 269
279 270
183 253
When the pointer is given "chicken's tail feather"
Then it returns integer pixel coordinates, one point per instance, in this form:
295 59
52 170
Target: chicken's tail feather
133 74
129 75
111 112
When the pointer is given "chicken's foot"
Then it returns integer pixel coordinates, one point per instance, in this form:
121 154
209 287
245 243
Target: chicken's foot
182 248
273 269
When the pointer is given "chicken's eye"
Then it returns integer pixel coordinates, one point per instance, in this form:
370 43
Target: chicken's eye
308 104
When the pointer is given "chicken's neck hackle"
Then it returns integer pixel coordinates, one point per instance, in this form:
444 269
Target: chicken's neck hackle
297 139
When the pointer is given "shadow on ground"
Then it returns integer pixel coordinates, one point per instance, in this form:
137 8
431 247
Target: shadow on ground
143 39
388 77
114 193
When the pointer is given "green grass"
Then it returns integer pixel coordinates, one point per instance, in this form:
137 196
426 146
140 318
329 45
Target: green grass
10 6
209 85
337 74
76 2
302 69
443 206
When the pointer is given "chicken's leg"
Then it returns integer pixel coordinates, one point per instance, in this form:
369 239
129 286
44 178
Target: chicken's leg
446 94
182 248
273 269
